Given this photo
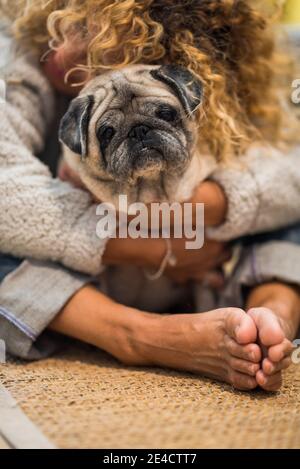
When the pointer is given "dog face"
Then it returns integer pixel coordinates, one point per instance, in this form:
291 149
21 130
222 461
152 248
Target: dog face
132 132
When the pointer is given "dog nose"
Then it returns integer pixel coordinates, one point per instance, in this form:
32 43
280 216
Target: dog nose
139 132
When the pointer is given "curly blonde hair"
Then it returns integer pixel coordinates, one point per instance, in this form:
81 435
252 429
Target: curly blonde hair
228 44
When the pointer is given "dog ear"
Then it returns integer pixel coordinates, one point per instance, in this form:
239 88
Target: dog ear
184 84
73 130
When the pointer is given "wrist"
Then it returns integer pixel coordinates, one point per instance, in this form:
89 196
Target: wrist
118 251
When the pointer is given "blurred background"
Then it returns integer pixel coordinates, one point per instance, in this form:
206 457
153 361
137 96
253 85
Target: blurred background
291 19
292 12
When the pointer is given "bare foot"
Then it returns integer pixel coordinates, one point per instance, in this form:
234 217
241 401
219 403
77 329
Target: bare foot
219 344
277 323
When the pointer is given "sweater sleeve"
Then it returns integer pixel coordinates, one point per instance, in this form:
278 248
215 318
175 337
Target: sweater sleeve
263 192
40 217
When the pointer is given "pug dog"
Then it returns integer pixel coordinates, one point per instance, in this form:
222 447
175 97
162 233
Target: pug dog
133 132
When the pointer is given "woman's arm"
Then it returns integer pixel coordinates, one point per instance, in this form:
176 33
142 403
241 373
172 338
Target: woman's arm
94 318
34 292
262 194
40 217
259 193
212 195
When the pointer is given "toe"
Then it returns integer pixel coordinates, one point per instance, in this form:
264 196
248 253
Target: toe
269 328
249 352
270 368
243 366
280 351
269 383
240 327
241 381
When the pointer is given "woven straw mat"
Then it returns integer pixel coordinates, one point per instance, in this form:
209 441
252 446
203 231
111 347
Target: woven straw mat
82 398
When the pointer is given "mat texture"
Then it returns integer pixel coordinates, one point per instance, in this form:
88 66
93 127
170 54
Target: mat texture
81 398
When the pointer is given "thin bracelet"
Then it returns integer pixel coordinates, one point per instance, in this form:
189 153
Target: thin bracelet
168 259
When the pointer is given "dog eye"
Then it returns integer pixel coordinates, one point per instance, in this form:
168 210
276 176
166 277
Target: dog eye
105 135
167 113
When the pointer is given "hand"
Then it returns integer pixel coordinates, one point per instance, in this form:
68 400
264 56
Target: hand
65 173
213 197
200 264
149 253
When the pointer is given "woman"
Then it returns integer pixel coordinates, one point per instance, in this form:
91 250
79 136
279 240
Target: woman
52 224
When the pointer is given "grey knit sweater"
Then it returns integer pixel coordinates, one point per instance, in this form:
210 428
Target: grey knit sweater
47 219
50 221
40 217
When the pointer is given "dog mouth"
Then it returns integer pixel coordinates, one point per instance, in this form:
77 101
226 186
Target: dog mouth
145 170
146 155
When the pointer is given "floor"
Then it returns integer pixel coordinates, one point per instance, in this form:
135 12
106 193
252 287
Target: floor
81 398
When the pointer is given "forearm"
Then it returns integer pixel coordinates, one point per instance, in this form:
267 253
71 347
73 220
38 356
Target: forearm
94 318
48 220
215 203
283 298
40 217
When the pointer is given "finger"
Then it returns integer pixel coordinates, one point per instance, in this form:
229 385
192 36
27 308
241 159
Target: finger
210 256
271 368
216 261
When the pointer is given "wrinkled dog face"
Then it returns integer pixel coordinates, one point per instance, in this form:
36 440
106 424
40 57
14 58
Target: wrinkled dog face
132 132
